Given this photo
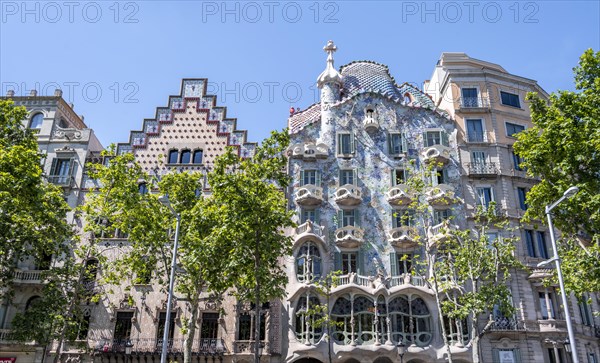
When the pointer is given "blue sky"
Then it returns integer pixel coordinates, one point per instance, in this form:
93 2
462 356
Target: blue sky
118 61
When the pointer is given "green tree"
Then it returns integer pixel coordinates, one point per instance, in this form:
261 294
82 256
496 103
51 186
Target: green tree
563 149
118 204
251 193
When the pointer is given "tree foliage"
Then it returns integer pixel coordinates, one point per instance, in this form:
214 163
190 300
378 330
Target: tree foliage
563 149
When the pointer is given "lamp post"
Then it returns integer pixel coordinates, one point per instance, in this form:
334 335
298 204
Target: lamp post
573 346
401 350
128 348
165 201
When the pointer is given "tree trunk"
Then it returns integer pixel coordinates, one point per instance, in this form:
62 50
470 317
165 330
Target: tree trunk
257 306
439 306
329 342
475 341
188 342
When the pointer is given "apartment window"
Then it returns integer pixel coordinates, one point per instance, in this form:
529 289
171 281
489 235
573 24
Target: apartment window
198 157
61 171
36 121
586 311
348 218
308 263
535 241
347 177
160 332
247 323
122 332
529 243
401 263
345 144
209 329
592 358
310 177
522 192
307 329
547 305
143 188
506 355
309 214
457 330
475 130
439 176
432 138
510 99
83 325
403 218
441 215
173 155
517 160
554 358
491 237
399 176
513 129
541 244
89 276
485 196
397 144
346 262
185 156
469 97
478 158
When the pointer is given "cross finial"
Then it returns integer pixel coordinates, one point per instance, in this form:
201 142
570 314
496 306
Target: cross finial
330 48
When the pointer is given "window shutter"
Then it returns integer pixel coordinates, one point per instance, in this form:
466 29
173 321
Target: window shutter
395 218
425 139
393 177
444 138
361 262
337 261
495 355
339 144
340 217
393 264
301 177
53 167
71 167
318 177
445 175
357 218
517 354
354 177
352 144
404 144
389 142
317 217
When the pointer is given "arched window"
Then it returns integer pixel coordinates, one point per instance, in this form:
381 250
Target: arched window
308 263
342 315
197 157
185 157
457 331
32 301
402 313
407 98
173 155
362 312
143 188
381 328
36 121
307 330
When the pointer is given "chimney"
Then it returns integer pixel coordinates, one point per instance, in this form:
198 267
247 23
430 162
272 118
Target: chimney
10 93
58 92
33 93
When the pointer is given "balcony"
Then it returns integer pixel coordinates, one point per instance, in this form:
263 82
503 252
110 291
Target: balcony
309 151
247 347
309 230
440 195
349 237
399 195
504 324
403 237
308 195
478 137
539 274
204 347
439 154
473 104
348 195
440 233
552 326
61 180
370 123
407 279
482 169
28 276
353 278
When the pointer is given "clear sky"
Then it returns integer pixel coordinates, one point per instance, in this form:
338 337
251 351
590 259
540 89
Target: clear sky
118 61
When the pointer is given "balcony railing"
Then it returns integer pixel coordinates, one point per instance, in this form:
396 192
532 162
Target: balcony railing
502 323
348 195
310 228
482 169
27 276
370 122
309 195
436 153
399 195
310 151
206 347
474 102
403 236
479 137
62 180
442 194
407 279
349 237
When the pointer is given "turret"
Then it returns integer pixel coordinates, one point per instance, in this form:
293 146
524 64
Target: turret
330 84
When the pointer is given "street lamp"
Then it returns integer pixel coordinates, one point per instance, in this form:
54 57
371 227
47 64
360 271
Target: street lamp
165 201
568 194
401 350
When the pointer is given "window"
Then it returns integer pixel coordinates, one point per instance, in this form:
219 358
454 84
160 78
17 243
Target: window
547 305
43 261
491 237
441 215
485 196
397 143
513 129
83 325
32 302
197 157
401 263
173 155
346 262
478 158
307 330
592 358
586 311
407 98
36 121
552 356
475 131
160 331
308 263
510 99
309 214
517 160
536 248
209 329
247 323
61 171
541 243
439 176
347 177
345 144
431 138
506 355
122 331
361 312
522 192
348 218
403 218
457 330
89 276
185 157
143 188
310 177
529 243
399 176
469 97
410 321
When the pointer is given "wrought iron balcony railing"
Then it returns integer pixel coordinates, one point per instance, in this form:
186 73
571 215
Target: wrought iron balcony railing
206 347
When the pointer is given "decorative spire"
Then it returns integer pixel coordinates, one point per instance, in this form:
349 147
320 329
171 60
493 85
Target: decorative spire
330 74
